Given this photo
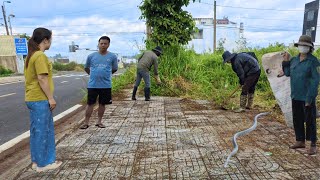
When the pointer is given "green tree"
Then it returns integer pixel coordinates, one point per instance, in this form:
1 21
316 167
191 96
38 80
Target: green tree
169 23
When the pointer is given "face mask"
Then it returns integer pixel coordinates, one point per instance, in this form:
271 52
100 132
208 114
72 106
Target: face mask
303 49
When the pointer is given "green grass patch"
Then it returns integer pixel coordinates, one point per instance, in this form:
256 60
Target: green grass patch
72 66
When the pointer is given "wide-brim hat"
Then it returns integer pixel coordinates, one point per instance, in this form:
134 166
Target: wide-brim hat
304 40
158 49
227 56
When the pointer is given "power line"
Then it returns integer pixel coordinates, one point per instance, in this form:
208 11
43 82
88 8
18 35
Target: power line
238 7
257 28
261 8
270 19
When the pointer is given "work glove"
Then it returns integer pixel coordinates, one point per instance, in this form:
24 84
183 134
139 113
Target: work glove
157 79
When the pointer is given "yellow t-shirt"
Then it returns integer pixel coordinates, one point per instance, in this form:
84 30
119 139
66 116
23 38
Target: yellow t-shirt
38 64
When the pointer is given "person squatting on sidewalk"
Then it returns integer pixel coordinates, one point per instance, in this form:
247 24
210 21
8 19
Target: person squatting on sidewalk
248 70
100 66
145 62
39 99
303 70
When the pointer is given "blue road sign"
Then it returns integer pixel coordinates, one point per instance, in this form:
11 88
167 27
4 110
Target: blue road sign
21 46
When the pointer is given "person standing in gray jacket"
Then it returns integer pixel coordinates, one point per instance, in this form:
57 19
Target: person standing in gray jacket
145 62
248 70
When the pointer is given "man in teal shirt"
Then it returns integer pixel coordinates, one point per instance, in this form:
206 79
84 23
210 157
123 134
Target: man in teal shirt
304 78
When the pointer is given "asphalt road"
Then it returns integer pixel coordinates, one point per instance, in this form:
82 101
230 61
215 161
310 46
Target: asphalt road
14 115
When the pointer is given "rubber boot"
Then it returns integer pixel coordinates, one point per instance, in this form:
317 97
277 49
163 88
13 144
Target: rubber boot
147 94
243 102
134 93
250 101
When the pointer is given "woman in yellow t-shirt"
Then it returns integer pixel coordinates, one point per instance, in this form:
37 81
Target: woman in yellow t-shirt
40 102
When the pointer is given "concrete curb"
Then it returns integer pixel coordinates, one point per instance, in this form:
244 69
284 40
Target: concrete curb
21 140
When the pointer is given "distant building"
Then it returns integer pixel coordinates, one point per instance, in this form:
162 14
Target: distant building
62 60
80 56
310 21
228 35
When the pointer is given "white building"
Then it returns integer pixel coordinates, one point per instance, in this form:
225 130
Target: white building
80 56
228 35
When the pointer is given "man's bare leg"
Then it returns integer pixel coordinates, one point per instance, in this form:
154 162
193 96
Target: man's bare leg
89 111
101 110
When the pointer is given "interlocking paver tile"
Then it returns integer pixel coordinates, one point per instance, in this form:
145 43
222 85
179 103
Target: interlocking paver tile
174 138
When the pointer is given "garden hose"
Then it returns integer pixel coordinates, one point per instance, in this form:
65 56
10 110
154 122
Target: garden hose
242 133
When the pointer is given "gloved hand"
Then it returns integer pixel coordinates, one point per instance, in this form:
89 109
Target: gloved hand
286 56
157 80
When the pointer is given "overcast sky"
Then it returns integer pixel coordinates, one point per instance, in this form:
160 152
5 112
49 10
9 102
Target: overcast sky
83 21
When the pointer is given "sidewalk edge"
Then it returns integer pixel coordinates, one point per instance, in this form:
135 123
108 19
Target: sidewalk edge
21 140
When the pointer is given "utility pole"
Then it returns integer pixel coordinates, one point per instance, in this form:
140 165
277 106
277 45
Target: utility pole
214 26
5 21
4 16
9 21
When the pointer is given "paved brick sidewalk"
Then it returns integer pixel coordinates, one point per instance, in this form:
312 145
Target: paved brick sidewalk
171 138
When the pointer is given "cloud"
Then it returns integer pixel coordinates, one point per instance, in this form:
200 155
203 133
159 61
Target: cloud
265 22
85 21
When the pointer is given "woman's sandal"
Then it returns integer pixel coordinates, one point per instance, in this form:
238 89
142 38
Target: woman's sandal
52 166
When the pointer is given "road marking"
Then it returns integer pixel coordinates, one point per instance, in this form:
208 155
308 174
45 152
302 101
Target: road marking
1 84
25 135
7 95
63 82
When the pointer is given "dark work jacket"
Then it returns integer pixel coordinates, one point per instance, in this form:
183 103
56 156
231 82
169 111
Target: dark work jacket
244 65
304 77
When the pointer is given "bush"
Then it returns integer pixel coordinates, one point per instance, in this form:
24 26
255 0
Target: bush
67 67
4 71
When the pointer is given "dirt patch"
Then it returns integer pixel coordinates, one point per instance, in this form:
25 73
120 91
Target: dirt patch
120 96
123 93
141 154
189 105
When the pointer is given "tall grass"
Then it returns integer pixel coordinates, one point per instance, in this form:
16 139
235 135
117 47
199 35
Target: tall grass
204 76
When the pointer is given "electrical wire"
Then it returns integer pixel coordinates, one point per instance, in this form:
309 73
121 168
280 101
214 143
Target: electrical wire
263 9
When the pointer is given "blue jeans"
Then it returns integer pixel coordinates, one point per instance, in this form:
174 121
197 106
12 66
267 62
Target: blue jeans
42 142
146 78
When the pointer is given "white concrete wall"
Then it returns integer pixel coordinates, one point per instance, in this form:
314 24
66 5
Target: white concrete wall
80 56
229 32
